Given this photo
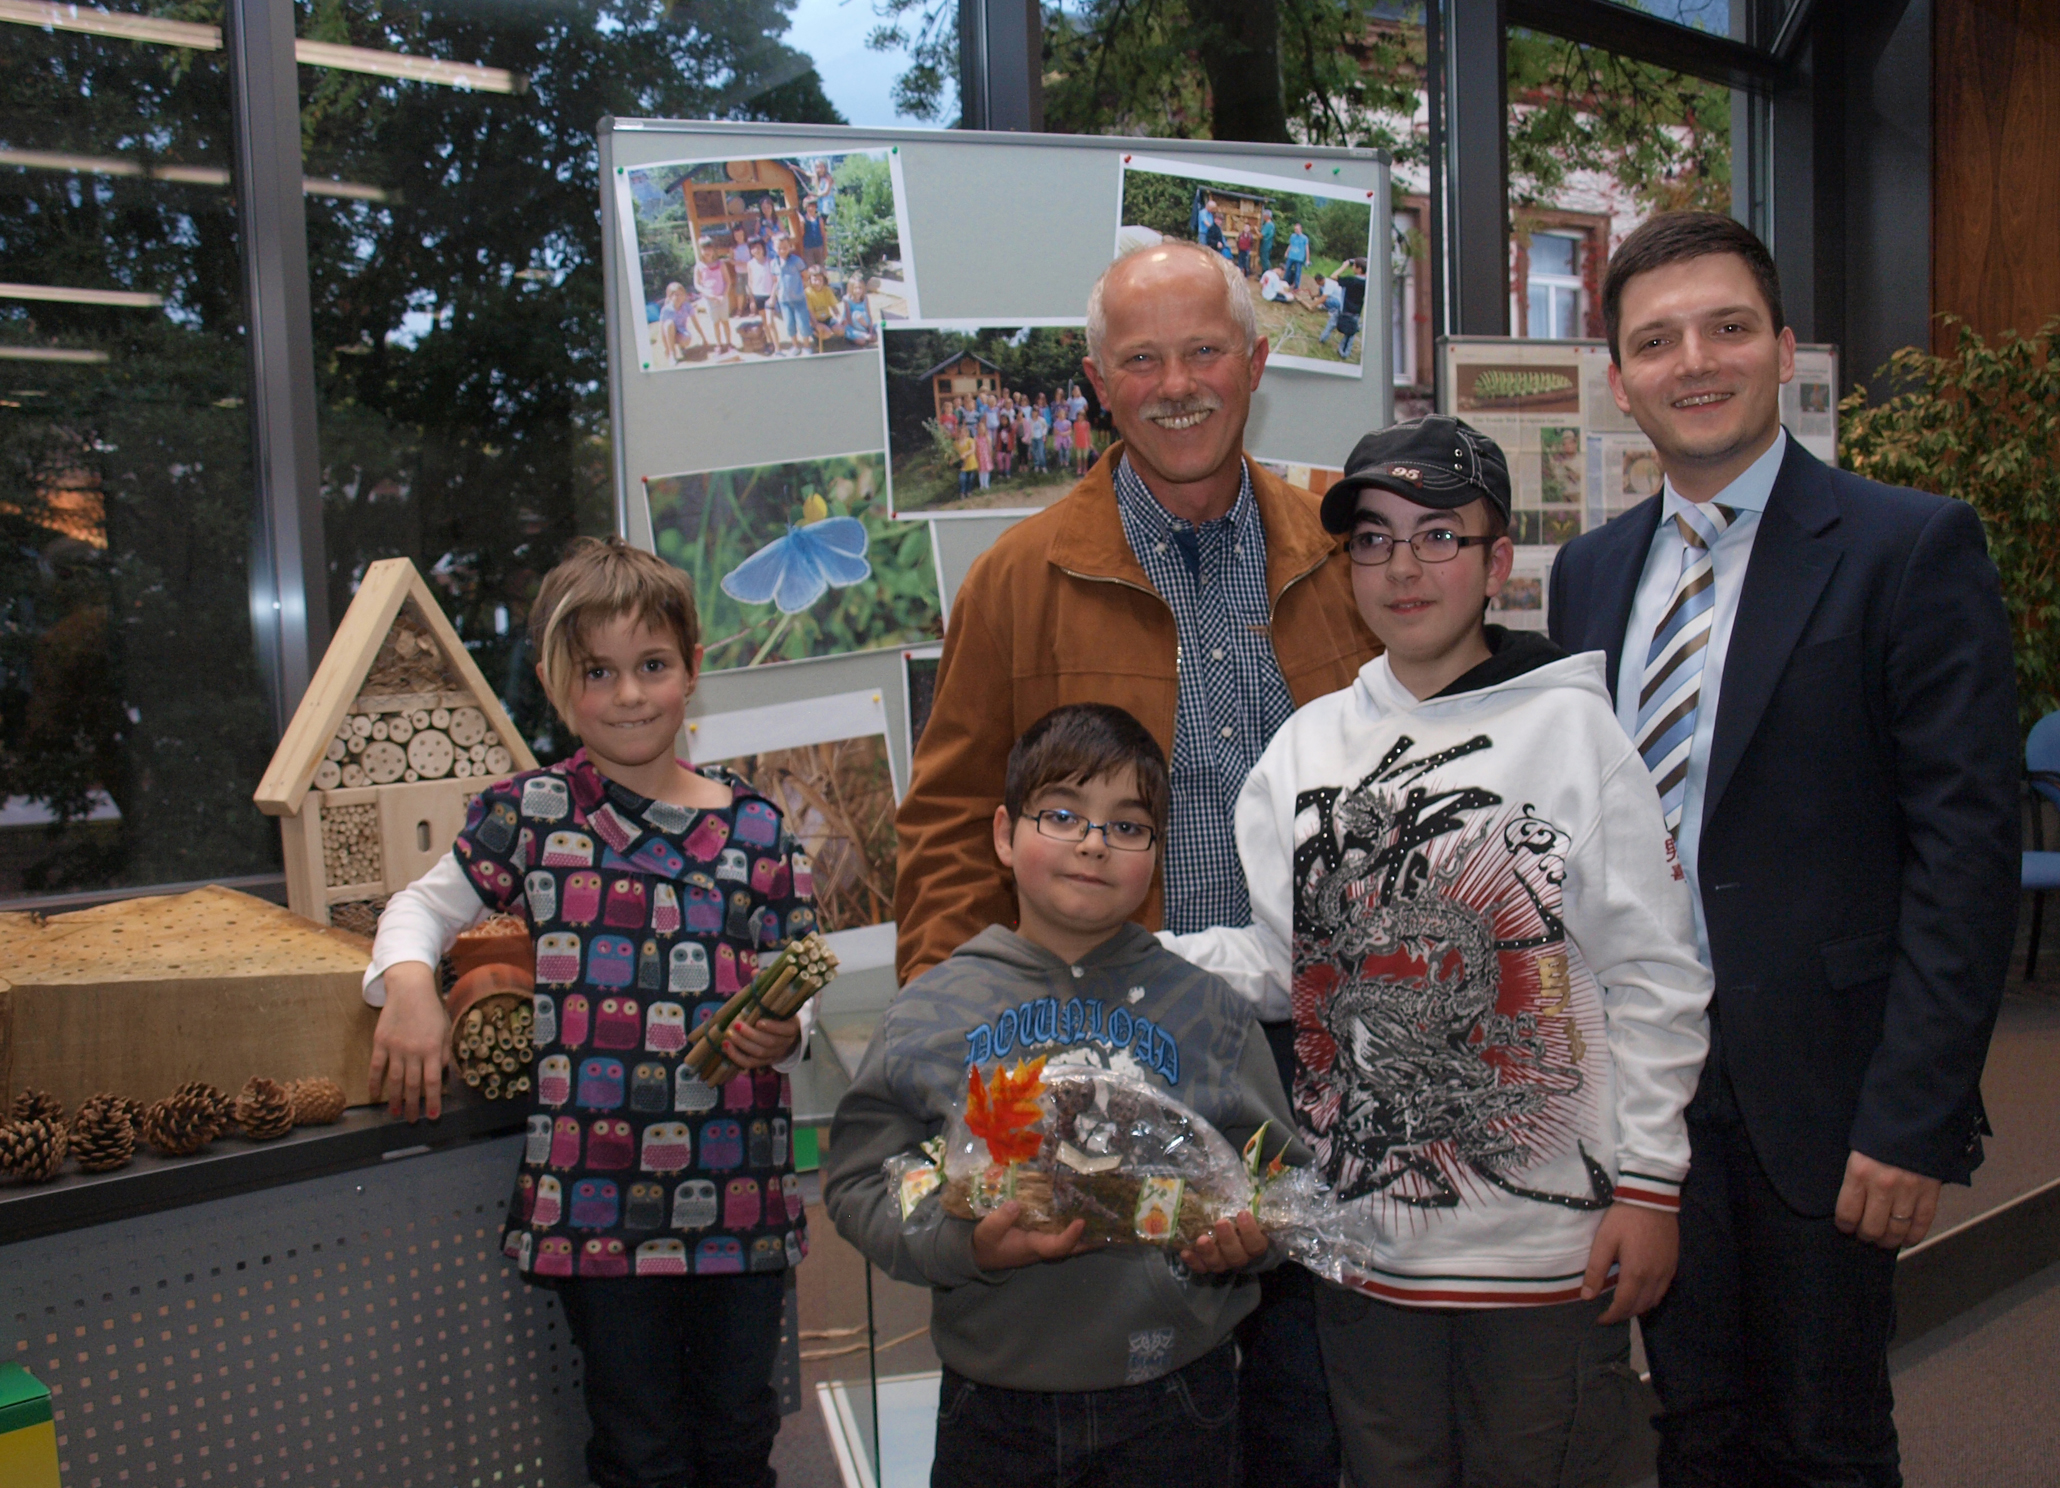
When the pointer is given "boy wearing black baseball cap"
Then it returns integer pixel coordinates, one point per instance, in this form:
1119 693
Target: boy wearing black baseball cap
1465 895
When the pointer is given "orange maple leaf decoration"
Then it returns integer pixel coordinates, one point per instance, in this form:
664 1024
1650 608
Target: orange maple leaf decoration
1004 1112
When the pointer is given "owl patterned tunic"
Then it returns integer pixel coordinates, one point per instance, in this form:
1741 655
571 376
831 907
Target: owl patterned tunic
646 918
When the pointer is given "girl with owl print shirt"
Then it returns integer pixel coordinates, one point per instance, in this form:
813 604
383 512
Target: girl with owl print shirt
663 1210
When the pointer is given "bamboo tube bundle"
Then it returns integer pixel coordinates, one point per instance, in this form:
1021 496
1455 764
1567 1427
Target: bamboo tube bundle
800 971
352 852
493 1023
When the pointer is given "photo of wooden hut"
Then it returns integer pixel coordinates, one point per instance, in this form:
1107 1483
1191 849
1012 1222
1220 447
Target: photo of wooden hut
962 376
729 211
1235 210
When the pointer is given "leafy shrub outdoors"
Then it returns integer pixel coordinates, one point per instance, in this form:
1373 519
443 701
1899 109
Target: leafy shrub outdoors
1982 424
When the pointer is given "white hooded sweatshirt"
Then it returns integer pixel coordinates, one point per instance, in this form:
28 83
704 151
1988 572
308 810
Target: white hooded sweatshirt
1471 907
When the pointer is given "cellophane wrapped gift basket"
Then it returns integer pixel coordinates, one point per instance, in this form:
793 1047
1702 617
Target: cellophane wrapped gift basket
1115 1151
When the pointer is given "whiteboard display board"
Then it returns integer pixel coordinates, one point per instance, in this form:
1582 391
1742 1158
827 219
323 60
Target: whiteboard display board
995 229
1575 459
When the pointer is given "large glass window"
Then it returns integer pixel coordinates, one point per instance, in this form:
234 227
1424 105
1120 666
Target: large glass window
1598 142
1552 289
132 724
460 350
1719 17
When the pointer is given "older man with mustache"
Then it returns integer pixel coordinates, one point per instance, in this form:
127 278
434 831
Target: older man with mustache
1181 582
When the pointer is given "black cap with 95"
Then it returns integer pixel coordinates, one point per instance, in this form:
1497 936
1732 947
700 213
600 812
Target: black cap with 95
1439 462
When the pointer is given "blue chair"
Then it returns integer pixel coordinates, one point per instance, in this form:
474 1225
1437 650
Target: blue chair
2041 868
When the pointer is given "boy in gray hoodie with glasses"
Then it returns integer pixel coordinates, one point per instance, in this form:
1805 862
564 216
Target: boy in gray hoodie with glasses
1060 1358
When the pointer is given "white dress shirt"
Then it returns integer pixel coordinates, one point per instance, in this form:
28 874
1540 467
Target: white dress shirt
1746 496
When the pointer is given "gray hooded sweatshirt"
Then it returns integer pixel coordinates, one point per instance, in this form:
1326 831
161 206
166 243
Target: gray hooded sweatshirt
1104 1318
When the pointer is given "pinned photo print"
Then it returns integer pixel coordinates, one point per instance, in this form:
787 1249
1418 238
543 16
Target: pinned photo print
1302 249
1642 476
1544 528
1497 387
797 560
919 690
988 420
1315 479
1564 464
759 260
826 762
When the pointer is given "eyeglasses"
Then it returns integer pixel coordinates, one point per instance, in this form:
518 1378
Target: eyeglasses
1438 545
1071 826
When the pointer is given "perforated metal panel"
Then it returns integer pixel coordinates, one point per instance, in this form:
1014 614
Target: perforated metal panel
356 1329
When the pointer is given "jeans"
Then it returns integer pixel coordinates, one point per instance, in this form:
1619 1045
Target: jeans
679 1378
1179 1429
1037 452
1330 324
800 325
1770 1351
1294 273
1501 1397
1285 1429
1284 1419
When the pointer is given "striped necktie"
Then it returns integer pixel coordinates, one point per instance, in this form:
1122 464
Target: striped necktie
1672 685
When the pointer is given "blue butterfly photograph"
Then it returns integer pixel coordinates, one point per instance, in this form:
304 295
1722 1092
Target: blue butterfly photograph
797 560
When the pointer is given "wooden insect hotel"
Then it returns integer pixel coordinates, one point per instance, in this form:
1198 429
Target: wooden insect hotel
1237 210
397 734
727 211
962 376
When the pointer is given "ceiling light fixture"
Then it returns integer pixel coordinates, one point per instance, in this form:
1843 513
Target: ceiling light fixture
186 175
51 354
93 21
130 299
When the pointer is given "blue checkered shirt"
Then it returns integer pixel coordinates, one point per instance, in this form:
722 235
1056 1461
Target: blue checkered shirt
1232 695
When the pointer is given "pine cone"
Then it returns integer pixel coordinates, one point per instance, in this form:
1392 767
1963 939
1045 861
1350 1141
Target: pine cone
183 1122
317 1101
31 1104
217 1101
104 1133
264 1110
33 1150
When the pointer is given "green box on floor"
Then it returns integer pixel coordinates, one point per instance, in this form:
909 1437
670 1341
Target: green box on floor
28 1434
808 1152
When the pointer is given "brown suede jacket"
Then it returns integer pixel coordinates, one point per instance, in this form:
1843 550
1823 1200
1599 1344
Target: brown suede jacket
1060 611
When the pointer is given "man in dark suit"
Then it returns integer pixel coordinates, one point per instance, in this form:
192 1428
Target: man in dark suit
1817 670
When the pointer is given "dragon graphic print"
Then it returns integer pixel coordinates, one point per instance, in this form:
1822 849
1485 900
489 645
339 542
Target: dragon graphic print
1447 1034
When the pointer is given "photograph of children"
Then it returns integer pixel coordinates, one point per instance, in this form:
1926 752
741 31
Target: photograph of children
1564 465
1303 250
797 560
1520 594
756 260
838 798
988 420
1521 604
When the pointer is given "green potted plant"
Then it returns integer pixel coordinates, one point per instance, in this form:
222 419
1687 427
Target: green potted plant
1982 423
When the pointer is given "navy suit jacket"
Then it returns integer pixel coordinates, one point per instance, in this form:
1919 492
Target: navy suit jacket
1859 852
